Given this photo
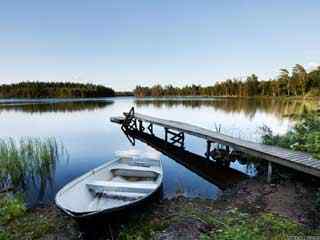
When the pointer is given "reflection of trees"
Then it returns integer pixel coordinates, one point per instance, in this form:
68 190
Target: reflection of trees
29 162
235 105
68 106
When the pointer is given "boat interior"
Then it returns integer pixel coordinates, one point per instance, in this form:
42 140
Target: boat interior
124 181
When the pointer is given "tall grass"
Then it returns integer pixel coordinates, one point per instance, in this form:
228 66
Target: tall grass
28 159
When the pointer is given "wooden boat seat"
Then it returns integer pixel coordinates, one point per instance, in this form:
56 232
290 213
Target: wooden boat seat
144 162
123 187
134 171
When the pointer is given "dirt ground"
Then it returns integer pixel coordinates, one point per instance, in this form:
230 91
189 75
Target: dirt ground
291 200
182 218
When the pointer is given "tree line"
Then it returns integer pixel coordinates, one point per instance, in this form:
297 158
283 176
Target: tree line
298 82
54 90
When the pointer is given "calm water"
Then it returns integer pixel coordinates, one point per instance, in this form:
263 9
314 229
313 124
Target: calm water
83 127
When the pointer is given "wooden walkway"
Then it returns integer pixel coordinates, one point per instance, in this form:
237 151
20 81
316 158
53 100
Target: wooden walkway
293 159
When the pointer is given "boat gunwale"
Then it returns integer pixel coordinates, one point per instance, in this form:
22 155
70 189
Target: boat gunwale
107 210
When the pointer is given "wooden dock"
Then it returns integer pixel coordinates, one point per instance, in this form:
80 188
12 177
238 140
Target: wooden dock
175 133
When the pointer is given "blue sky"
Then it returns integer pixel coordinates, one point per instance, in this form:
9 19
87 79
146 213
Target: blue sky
124 43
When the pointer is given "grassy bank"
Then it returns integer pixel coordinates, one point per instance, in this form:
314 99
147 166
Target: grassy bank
18 222
27 162
251 210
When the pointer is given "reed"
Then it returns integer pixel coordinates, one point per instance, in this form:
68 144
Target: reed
28 159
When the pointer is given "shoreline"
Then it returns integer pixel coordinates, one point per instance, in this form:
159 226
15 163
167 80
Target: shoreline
251 202
229 97
162 97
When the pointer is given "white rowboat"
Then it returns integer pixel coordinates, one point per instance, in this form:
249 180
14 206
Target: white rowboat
113 186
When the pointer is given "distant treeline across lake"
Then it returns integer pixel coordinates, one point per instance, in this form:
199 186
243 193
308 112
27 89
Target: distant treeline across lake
298 82
54 90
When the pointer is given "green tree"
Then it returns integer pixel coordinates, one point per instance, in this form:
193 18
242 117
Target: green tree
252 85
300 74
284 79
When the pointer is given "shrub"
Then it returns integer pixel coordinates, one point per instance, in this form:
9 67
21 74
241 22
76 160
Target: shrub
11 208
304 136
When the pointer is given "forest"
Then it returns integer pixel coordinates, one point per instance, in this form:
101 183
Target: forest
54 90
298 82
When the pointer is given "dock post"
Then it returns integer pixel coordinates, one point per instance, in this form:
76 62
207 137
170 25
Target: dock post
227 149
208 149
141 128
166 135
150 128
182 140
269 172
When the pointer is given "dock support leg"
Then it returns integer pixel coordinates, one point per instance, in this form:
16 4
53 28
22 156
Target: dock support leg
166 134
173 137
227 157
141 127
182 140
269 172
150 128
227 149
208 149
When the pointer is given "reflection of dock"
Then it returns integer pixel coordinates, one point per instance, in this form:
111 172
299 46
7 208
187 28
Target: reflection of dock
175 133
221 177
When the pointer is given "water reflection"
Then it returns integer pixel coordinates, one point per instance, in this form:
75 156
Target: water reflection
92 140
222 177
278 107
54 106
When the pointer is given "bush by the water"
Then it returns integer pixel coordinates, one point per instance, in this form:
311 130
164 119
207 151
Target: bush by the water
11 208
304 136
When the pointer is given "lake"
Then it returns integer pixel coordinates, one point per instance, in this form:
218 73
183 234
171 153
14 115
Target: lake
90 139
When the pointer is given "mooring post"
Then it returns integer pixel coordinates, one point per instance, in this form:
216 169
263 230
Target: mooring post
208 149
269 172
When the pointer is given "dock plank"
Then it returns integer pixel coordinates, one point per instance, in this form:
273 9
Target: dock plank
300 161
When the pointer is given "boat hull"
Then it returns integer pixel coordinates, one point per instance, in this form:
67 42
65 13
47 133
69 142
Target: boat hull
108 211
115 212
